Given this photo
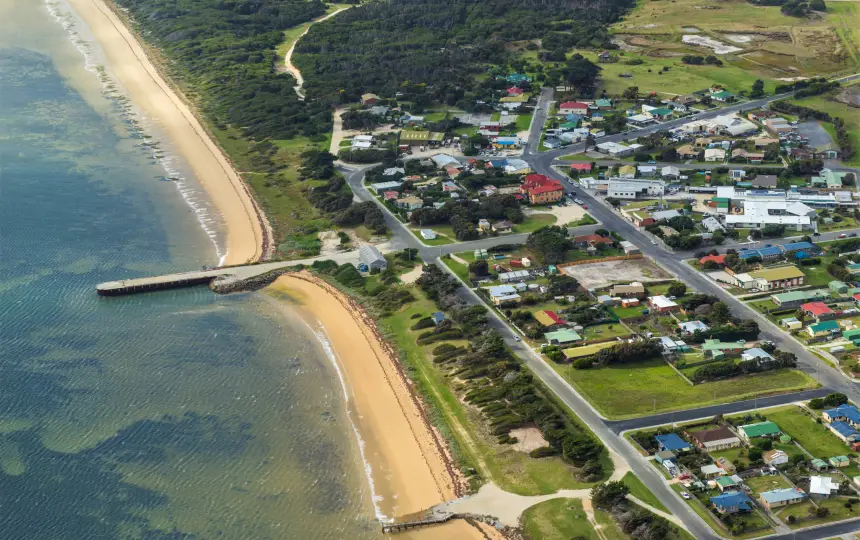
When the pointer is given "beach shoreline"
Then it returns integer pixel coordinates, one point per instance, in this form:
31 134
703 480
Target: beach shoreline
248 232
409 465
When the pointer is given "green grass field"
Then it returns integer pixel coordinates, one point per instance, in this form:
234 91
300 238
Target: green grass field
760 484
836 506
534 222
475 447
652 386
814 437
460 269
638 490
558 519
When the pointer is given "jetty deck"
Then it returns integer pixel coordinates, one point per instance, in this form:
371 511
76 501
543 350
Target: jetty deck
168 281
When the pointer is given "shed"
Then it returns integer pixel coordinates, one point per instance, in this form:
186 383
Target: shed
372 258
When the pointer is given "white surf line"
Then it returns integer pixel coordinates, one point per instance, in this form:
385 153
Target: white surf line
288 62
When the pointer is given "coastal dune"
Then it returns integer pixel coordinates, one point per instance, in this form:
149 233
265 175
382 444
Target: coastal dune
410 468
248 233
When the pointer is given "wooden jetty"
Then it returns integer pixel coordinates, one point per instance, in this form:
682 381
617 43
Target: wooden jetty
393 528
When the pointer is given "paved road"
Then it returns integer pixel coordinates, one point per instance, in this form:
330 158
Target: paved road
619 426
695 165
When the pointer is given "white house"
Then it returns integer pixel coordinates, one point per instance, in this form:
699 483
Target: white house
614 149
758 213
715 154
621 188
822 486
670 172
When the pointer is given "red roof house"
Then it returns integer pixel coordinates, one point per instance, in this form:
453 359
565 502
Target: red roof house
584 167
719 259
390 195
592 239
816 309
514 91
542 189
573 107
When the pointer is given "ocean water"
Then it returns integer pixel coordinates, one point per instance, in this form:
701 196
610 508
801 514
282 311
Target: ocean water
178 414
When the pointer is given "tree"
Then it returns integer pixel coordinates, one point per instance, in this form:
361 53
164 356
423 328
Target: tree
720 313
817 5
757 88
607 495
631 92
677 289
479 268
549 244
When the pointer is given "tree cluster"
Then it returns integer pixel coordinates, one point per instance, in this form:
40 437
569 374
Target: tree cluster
729 368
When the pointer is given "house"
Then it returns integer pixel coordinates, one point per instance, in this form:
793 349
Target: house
565 336
723 96
506 142
603 103
629 302
715 154
629 248
409 202
756 354
672 345
795 299
515 276
672 442
514 91
691 326
714 348
726 465
762 142
484 225
615 149
718 259
764 181
517 166
822 486
781 497
541 189
839 461
581 167
778 278
750 157
605 56
823 329
635 289
670 172
503 227
817 310
719 438
844 431
843 413
504 293
665 455
665 214
661 304
627 171
369 99
625 188
428 234
548 318
726 483
778 125
371 258
438 317
711 471
791 323
648 170
819 464
758 430
575 107
775 457
828 178
687 152
731 503
737 174
592 240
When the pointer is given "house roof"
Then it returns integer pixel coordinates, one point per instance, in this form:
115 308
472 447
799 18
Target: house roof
756 353
692 326
565 335
727 500
592 239
794 296
438 317
843 429
726 481
778 274
588 350
573 105
548 318
502 290
782 495
823 326
717 345
671 441
816 308
581 166
771 454
710 435
807 246
822 485
847 411
711 469
760 429
719 259
661 301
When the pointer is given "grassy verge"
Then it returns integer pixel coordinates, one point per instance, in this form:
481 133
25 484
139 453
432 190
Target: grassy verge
476 448
460 269
584 220
534 222
638 490
803 428
558 519
652 386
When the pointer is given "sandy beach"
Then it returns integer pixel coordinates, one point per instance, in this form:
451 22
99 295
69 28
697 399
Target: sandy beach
247 230
410 469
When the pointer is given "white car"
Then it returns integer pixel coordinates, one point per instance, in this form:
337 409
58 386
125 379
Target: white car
579 201
517 338
685 495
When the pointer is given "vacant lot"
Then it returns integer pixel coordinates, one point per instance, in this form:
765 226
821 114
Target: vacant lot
652 386
814 437
593 276
851 116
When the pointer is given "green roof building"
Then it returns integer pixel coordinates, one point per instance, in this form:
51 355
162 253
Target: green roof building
718 349
723 95
603 103
851 335
828 178
823 328
661 112
761 429
818 464
837 286
796 298
562 337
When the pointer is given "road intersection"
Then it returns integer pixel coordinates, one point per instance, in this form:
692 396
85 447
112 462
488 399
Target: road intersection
831 379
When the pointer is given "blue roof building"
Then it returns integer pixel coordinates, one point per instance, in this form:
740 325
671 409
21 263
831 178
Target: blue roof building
438 317
844 432
782 497
573 117
672 443
765 254
843 413
732 503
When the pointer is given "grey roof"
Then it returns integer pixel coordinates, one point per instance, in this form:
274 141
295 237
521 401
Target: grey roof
369 254
782 495
665 214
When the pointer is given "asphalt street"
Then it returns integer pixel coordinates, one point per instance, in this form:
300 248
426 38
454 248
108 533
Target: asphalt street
608 431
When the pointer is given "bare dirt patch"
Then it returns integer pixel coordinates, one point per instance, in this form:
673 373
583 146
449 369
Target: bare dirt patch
596 275
412 275
850 96
528 439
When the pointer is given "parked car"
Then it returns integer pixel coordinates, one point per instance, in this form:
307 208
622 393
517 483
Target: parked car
816 233
843 235
585 206
685 495
517 338
651 162
579 201
853 235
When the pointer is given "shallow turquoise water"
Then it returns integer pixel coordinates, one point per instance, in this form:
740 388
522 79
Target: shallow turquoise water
170 415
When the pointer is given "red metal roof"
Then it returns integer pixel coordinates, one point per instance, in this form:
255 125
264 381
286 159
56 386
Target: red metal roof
816 308
573 105
554 316
719 259
580 166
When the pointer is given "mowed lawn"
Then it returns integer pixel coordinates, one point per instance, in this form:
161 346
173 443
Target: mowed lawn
652 386
638 490
558 519
814 437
